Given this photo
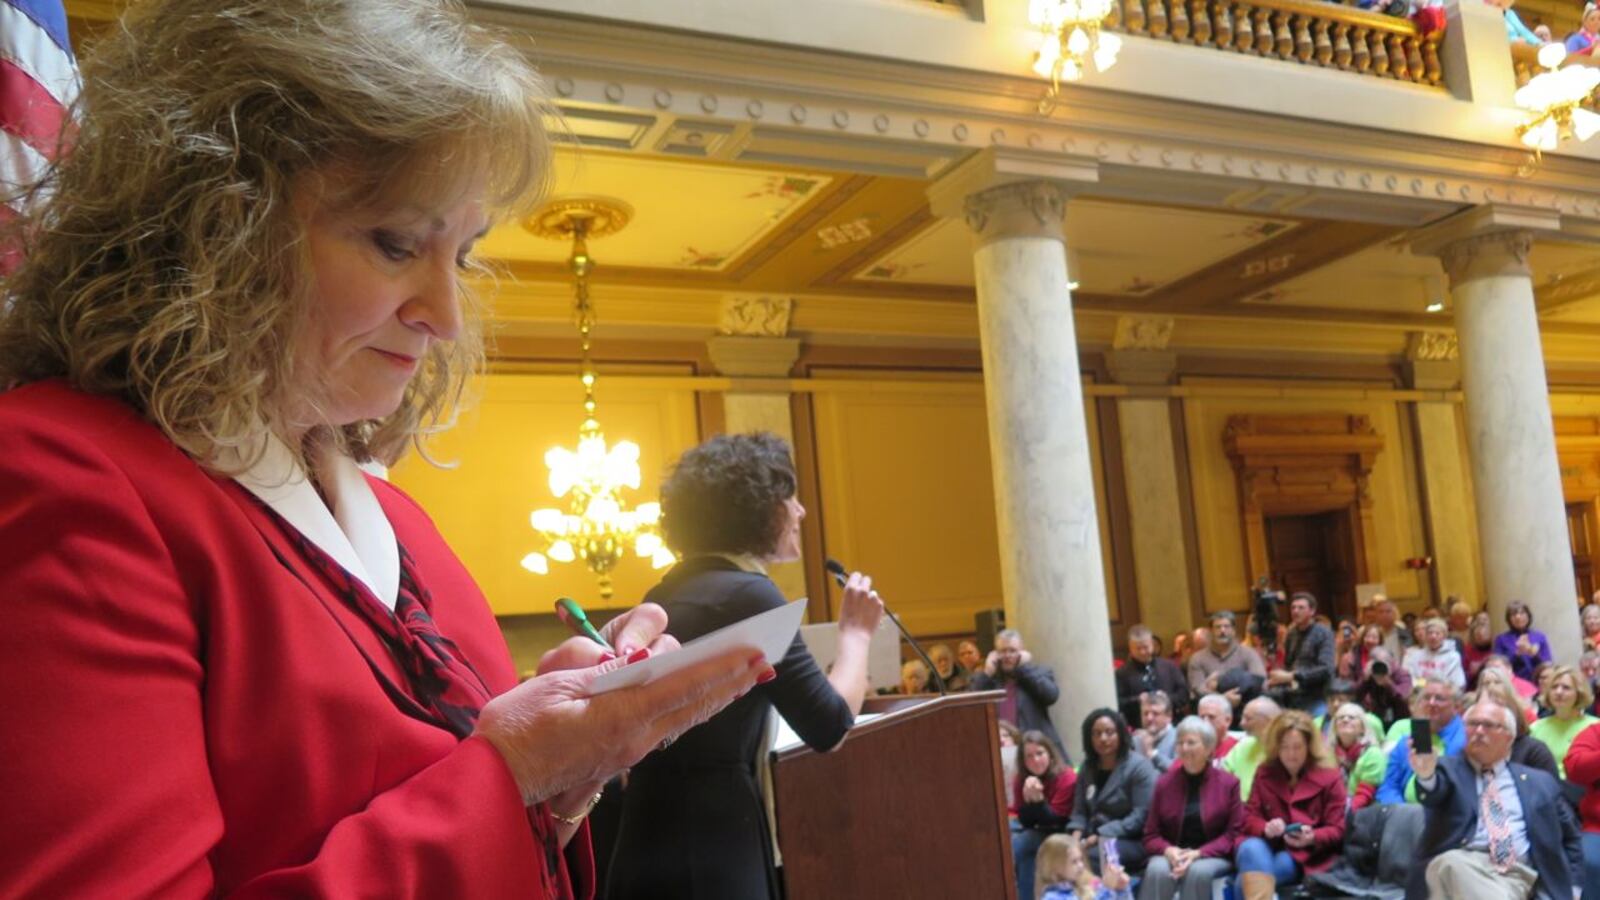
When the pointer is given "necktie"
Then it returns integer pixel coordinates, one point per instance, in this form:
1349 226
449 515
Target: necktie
1502 852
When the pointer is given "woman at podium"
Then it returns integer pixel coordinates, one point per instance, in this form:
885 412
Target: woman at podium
693 821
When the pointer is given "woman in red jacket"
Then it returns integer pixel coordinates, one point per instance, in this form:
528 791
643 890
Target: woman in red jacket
1295 817
234 664
1583 769
1042 793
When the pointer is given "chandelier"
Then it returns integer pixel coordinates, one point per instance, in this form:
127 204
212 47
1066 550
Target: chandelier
1553 98
594 526
1071 40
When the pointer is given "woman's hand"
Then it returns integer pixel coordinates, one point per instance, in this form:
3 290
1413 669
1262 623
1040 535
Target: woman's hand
555 737
1301 837
1274 829
861 610
1180 866
1114 877
1032 790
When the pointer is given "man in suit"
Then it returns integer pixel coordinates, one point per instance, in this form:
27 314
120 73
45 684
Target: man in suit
1145 672
1030 688
1494 828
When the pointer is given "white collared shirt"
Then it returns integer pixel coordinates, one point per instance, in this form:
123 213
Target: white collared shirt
355 533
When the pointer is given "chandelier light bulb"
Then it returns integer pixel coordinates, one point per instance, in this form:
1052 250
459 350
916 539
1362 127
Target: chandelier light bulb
1584 124
1078 42
662 558
548 520
647 544
536 563
561 551
1070 70
1049 53
1551 55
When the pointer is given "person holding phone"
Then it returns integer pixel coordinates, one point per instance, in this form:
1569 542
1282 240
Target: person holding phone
1296 815
693 821
1437 701
1494 828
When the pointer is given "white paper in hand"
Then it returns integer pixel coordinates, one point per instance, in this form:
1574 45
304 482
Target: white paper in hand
770 632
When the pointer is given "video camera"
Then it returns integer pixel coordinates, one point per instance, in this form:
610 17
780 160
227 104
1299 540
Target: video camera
1265 611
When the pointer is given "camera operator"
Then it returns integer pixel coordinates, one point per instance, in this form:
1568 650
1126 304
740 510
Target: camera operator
1307 659
1264 618
1385 688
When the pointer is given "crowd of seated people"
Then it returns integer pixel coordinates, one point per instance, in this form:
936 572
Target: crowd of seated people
1264 803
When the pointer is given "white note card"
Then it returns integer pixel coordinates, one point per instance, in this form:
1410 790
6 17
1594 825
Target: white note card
770 632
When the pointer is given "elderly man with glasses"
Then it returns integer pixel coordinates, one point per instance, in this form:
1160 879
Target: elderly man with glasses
1495 828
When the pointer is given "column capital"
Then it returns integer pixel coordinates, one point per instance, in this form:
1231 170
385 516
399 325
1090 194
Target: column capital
1485 241
741 356
996 167
1139 354
755 315
1018 209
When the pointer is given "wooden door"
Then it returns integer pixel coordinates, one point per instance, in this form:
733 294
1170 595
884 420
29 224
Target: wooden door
1580 528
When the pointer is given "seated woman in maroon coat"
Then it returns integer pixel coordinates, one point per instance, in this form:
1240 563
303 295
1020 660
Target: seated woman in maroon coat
1295 817
1042 794
1195 818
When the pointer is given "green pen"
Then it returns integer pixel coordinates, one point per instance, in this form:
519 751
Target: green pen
577 621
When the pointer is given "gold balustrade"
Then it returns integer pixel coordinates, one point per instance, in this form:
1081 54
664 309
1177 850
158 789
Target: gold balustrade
1310 33
1525 63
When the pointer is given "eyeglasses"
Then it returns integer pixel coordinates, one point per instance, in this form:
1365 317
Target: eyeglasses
1485 725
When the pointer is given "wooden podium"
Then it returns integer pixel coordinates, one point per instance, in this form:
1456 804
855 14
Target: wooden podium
911 805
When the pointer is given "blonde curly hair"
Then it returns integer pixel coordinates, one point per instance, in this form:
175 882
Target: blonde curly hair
164 261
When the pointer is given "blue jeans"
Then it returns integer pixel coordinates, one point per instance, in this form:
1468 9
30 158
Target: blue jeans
1591 864
1256 855
1024 847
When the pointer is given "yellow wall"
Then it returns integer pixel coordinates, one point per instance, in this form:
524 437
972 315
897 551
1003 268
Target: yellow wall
1225 582
482 505
908 495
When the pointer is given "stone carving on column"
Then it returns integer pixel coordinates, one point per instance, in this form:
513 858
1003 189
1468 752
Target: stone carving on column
1018 209
1485 255
751 316
1143 333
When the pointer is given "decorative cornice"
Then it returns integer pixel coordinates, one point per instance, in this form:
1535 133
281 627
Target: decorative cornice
1400 178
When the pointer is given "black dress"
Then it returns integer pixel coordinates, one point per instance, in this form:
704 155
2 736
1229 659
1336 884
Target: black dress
693 822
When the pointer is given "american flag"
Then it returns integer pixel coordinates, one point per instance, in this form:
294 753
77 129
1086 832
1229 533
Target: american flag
38 83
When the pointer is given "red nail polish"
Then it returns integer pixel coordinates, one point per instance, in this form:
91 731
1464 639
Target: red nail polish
758 659
639 655
766 676
607 656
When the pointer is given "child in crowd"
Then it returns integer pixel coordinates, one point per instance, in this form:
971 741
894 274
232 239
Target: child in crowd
1061 872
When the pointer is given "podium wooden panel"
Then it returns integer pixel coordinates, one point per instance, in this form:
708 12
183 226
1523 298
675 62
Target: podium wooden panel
911 805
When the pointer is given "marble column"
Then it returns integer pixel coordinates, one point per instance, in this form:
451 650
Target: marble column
760 401
1433 364
1150 473
1050 557
1522 524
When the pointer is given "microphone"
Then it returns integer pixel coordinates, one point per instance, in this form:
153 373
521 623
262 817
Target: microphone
837 570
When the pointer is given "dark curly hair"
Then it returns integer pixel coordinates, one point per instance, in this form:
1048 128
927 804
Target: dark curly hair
1124 737
727 495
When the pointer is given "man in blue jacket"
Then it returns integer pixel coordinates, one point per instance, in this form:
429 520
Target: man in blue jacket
1439 698
1494 828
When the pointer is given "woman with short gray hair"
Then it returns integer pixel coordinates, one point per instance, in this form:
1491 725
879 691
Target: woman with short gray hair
1195 818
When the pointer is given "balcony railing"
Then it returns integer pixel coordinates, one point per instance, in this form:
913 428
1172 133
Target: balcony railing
1525 63
1298 31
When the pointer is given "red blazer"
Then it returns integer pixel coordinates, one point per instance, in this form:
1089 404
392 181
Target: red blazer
1583 769
185 709
1221 813
1317 800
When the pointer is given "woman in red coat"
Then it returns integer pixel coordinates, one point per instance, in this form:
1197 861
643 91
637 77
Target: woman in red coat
1042 794
1583 769
234 664
1296 812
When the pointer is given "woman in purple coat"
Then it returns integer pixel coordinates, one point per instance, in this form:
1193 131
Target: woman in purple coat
1526 648
1195 818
